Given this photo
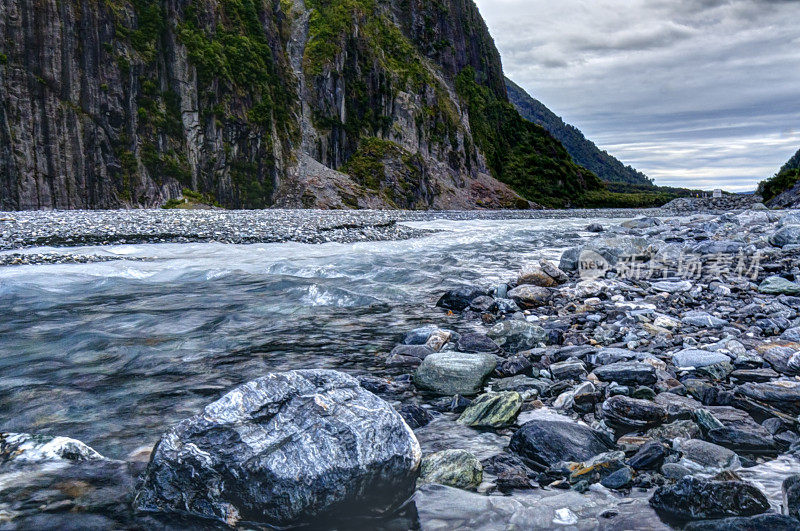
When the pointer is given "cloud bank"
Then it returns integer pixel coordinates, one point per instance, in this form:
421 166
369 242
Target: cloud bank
699 93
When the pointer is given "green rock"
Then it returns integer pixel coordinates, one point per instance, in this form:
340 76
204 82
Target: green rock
454 373
644 393
492 410
779 286
453 468
706 420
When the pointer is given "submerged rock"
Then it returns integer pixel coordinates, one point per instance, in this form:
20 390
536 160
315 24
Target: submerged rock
772 522
548 442
694 499
452 468
285 448
24 447
455 373
492 410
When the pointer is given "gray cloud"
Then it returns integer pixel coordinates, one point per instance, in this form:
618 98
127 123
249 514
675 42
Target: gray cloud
691 92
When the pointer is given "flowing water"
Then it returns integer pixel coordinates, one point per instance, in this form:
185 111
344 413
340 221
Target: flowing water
114 353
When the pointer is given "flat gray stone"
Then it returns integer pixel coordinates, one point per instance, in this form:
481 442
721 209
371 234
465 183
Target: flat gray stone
455 373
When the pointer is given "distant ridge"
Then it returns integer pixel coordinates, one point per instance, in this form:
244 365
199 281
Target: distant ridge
582 150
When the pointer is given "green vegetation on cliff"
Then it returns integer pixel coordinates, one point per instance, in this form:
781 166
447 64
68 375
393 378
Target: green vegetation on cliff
520 153
786 178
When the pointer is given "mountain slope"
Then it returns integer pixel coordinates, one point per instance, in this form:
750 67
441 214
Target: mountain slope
582 150
258 103
783 189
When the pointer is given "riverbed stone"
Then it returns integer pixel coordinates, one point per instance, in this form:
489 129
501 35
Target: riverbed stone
706 456
698 358
703 320
770 521
548 442
627 413
666 286
791 495
743 441
781 394
32 448
476 342
408 355
460 298
454 373
452 468
516 335
536 276
528 296
788 235
571 369
285 448
776 285
692 498
492 410
627 373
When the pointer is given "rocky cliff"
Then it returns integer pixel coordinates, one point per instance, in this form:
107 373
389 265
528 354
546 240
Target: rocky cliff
257 103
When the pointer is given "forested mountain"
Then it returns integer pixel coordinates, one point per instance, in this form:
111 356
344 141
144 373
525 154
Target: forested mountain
582 150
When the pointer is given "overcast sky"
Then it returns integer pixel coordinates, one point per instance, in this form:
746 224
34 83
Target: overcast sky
698 93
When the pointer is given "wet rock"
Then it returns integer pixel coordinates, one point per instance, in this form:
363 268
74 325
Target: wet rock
572 369
474 342
28 448
685 429
415 416
527 296
521 384
483 304
785 360
642 223
536 276
693 499
791 496
287 447
742 442
452 373
621 479
408 355
776 285
597 468
623 412
548 442
515 335
452 468
649 457
706 420
773 522
627 373
674 471
705 456
703 320
595 227
789 235
455 404
553 272
459 299
698 358
419 336
438 339
514 366
781 394
492 410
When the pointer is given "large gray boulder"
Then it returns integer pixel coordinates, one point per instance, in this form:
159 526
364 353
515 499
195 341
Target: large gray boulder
286 448
455 373
694 499
516 335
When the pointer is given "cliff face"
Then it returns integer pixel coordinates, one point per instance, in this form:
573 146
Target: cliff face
315 103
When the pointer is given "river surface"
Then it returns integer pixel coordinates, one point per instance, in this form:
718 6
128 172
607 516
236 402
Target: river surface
114 353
